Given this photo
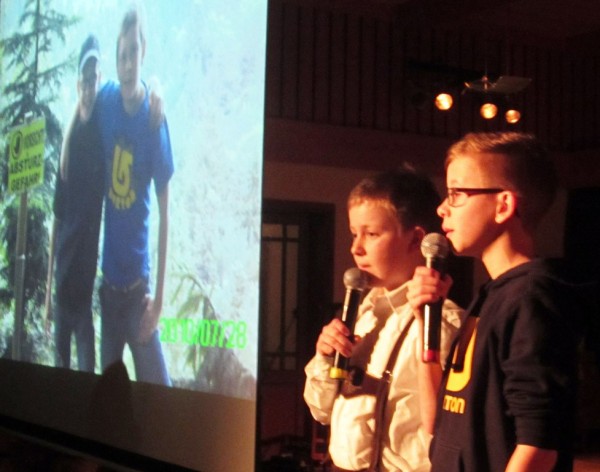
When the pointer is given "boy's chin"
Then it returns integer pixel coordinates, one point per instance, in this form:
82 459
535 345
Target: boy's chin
126 95
373 280
128 90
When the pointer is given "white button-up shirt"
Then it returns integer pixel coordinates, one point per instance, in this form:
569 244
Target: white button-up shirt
404 444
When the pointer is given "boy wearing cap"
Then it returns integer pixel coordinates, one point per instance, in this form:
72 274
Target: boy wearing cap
77 215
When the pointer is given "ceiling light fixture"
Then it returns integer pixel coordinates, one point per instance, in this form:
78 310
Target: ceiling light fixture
488 110
512 116
505 84
444 101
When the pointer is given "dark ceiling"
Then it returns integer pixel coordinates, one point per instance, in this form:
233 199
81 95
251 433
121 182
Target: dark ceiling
565 23
558 19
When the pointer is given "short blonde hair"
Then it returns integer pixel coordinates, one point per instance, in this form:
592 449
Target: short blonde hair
408 194
517 162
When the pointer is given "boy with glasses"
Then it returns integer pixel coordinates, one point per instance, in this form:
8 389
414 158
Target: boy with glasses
507 398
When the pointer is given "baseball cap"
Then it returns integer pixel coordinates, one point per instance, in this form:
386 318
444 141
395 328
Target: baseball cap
89 49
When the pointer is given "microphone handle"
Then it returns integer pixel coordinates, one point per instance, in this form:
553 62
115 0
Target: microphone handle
432 318
349 314
432 324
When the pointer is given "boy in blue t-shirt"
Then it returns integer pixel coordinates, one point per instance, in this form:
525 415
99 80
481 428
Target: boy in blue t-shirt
135 154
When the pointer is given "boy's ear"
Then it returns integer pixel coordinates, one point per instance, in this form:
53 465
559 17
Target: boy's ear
506 206
418 235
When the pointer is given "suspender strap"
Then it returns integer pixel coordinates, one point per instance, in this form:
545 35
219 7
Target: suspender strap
382 395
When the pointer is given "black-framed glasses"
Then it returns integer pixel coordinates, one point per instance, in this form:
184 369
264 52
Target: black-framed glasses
457 196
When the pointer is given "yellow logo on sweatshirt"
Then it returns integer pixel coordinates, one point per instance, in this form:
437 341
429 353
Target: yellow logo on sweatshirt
458 379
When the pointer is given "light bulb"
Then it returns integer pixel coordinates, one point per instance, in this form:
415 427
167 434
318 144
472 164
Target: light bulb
488 111
512 116
443 101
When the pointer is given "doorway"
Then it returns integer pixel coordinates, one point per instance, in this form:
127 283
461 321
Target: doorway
295 302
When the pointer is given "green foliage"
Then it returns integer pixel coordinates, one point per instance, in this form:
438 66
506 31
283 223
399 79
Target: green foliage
215 370
30 83
36 243
192 300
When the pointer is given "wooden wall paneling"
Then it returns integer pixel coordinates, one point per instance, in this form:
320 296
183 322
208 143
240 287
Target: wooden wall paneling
490 51
497 64
589 86
425 109
383 75
274 77
555 105
582 105
596 102
368 66
478 62
469 109
544 95
584 89
521 67
564 125
563 102
456 60
578 98
338 69
353 79
567 103
499 56
453 59
440 48
322 97
514 100
530 118
290 72
306 65
412 90
593 140
398 80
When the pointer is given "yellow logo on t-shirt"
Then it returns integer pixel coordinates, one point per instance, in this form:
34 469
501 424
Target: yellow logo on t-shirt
120 192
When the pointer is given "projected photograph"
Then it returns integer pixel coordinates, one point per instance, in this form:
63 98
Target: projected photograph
131 188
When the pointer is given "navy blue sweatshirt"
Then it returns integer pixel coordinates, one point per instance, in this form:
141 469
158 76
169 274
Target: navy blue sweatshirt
512 373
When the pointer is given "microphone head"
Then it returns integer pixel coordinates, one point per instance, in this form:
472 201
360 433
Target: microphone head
356 279
435 245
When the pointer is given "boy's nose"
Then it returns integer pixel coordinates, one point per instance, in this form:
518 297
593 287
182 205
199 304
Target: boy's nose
442 210
357 246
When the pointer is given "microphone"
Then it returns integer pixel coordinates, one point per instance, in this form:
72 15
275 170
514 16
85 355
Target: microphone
355 281
434 248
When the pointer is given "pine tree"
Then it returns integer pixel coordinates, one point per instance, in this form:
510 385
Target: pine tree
30 78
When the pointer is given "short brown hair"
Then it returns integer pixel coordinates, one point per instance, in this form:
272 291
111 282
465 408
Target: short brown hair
408 193
134 17
517 162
